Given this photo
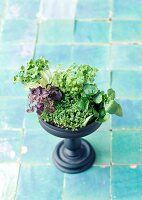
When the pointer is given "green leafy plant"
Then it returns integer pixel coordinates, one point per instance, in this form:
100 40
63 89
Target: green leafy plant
67 98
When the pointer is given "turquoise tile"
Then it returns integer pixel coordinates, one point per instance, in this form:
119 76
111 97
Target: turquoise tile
2 7
126 183
91 31
92 9
106 126
127 9
37 153
127 147
12 56
11 113
8 180
103 79
56 54
59 10
127 31
92 184
58 31
122 80
126 56
18 9
8 88
31 121
102 148
97 56
19 31
40 182
10 146
132 118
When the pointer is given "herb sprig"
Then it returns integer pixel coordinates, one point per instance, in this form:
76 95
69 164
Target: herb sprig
67 98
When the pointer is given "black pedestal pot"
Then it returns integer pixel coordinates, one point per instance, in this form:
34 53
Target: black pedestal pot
73 154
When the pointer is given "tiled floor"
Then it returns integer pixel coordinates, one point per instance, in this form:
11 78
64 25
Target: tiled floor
102 33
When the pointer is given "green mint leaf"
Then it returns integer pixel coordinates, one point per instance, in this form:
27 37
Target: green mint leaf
83 103
98 99
111 93
114 108
90 89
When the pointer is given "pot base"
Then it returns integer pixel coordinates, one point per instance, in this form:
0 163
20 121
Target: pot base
75 160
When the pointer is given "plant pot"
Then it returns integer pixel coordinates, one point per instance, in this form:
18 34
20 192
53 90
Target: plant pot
73 154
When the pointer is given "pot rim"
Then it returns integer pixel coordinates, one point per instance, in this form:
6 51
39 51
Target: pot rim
68 133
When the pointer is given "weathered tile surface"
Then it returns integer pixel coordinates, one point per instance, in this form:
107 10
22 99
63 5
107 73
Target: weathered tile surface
127 147
103 33
11 113
93 55
102 148
128 31
40 182
10 145
127 9
88 184
35 152
57 31
127 83
132 118
91 31
8 180
18 9
19 31
126 183
57 54
126 57
92 9
12 56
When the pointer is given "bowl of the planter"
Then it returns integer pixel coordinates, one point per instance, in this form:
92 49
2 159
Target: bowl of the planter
73 154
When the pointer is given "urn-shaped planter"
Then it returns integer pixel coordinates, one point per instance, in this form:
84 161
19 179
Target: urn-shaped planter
73 154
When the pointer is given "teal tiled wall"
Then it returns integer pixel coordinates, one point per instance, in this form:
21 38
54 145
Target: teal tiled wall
103 33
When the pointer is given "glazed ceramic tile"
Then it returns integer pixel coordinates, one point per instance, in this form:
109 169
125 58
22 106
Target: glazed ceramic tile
92 9
126 56
57 54
127 9
94 55
122 80
101 143
127 147
35 152
128 31
2 7
8 181
92 184
8 88
11 113
40 182
18 9
10 145
103 79
91 31
56 9
126 183
56 31
12 56
19 31
31 121
132 118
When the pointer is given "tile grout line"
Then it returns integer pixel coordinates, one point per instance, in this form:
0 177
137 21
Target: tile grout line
136 43
37 33
22 143
17 181
110 83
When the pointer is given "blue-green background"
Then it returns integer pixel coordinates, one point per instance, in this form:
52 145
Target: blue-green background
103 33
